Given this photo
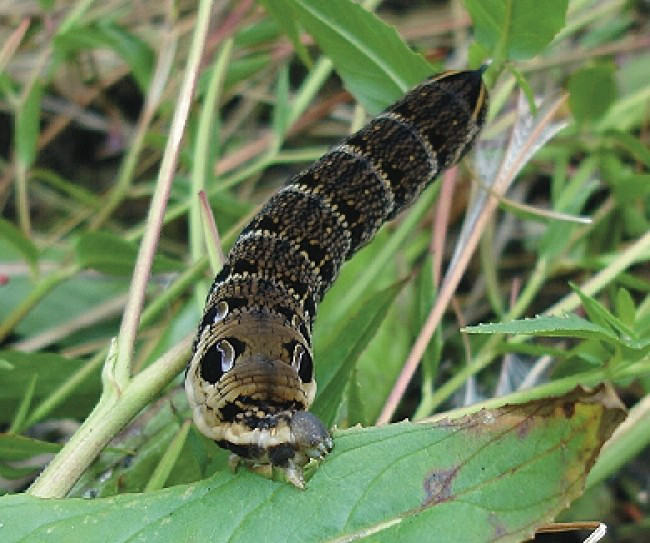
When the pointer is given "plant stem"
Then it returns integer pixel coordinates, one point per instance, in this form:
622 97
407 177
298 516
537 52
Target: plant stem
109 416
130 321
149 315
637 252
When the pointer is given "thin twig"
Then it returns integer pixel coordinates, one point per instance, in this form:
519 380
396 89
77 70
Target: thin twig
129 327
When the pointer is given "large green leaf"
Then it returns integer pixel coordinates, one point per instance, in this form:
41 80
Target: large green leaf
375 64
524 27
494 475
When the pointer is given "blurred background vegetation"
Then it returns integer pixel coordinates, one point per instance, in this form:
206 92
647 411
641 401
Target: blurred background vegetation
87 91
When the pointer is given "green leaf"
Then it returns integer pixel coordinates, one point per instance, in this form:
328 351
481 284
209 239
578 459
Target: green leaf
135 51
592 92
356 408
375 64
51 370
630 188
107 34
631 144
524 28
244 68
282 13
27 126
499 473
25 246
599 314
109 254
546 326
169 459
87 291
569 198
625 308
337 360
15 447
11 472
592 352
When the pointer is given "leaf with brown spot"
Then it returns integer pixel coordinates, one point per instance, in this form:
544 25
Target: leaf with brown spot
495 475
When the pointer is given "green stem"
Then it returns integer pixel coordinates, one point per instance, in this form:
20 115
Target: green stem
109 416
158 306
22 201
164 468
637 252
488 267
499 54
79 9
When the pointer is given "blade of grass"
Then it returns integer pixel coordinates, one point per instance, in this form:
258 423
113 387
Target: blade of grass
204 151
212 238
21 412
168 461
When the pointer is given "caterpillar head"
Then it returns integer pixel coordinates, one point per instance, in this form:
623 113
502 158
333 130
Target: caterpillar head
249 383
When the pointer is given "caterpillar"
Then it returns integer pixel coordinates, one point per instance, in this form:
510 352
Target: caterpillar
251 379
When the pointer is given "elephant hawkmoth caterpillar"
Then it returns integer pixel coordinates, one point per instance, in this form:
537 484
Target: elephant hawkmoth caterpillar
251 377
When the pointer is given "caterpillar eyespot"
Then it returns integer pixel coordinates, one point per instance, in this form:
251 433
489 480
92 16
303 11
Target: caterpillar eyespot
227 355
250 380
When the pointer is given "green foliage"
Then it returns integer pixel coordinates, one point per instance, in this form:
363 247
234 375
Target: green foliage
27 126
593 91
375 63
340 354
109 254
107 34
49 370
521 28
565 290
407 482
21 243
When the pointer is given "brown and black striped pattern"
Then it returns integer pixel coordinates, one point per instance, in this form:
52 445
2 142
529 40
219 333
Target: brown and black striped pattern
250 380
